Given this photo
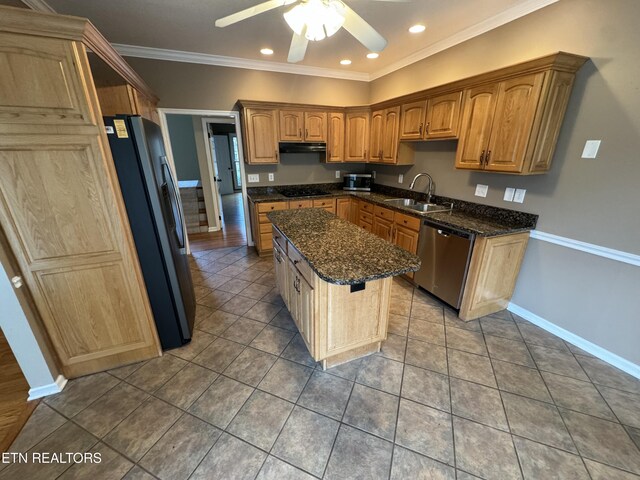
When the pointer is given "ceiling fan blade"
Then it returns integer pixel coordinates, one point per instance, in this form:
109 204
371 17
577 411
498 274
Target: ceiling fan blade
362 31
298 48
251 12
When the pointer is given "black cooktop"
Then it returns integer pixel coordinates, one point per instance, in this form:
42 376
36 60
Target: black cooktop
302 192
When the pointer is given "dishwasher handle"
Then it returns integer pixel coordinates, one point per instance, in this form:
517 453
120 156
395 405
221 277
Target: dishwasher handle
443 233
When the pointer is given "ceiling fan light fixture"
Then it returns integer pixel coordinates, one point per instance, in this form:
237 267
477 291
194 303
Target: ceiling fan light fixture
316 19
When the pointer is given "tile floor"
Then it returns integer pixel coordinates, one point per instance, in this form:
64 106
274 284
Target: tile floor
496 398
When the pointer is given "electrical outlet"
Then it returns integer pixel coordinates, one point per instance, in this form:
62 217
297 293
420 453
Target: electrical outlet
508 194
481 190
337 173
400 178
373 174
271 177
253 178
591 149
519 195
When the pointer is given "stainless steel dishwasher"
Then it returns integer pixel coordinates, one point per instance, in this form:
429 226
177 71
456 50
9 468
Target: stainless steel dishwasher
445 255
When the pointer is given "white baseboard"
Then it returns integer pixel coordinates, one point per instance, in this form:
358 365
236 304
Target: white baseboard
43 391
587 346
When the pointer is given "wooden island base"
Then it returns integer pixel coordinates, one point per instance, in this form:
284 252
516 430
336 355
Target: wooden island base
338 323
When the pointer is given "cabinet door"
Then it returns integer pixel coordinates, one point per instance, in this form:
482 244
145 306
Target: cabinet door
261 136
291 125
513 120
343 208
443 116
412 120
315 126
375 138
62 212
356 137
117 100
382 228
335 142
306 312
479 107
280 266
390 136
300 204
406 238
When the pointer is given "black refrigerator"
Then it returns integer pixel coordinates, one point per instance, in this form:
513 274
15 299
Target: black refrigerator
153 206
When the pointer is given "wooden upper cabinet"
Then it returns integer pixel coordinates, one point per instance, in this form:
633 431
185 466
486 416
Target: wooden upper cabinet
412 120
335 140
291 126
375 139
512 123
443 116
126 100
390 136
479 105
261 135
315 126
356 137
510 126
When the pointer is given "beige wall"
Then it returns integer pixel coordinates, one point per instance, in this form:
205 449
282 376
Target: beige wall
187 85
595 201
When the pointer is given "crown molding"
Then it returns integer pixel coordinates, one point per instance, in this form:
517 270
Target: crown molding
491 23
234 62
39 6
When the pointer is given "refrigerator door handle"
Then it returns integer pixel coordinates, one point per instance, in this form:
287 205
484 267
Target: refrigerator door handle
176 198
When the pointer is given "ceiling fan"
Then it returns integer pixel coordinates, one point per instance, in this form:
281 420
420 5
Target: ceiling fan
314 20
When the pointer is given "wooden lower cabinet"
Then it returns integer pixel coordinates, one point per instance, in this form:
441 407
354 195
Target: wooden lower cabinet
382 228
320 309
494 268
343 208
261 226
329 204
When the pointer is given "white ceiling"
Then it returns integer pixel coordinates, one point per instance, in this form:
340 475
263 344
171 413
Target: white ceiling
187 26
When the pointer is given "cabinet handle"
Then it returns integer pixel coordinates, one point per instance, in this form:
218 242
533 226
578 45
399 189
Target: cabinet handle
300 133
365 154
426 129
482 158
486 160
380 153
420 129
276 153
306 132
17 281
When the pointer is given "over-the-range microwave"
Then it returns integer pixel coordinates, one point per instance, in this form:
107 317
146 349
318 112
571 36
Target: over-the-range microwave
359 182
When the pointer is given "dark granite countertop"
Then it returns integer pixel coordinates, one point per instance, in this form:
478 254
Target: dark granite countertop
481 220
339 251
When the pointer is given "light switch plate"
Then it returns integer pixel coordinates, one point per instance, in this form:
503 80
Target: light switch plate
519 195
400 178
481 190
508 194
253 178
337 173
591 149
271 177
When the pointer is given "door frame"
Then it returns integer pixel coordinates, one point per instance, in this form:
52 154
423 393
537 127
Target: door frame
162 113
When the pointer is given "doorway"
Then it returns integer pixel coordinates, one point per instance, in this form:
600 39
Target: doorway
216 199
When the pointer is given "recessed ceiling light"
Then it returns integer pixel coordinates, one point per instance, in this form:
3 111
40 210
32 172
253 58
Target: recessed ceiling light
266 51
345 62
417 28
373 55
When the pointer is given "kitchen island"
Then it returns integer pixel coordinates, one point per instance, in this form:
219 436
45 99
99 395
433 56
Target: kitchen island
335 279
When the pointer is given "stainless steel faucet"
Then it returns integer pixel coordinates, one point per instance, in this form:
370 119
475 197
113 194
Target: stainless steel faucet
430 191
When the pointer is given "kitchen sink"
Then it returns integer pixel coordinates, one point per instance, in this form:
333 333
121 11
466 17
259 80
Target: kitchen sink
428 207
401 202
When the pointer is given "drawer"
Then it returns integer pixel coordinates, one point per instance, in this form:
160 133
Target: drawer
271 206
412 223
330 209
366 206
279 239
265 227
383 213
300 203
326 203
266 241
365 217
301 264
